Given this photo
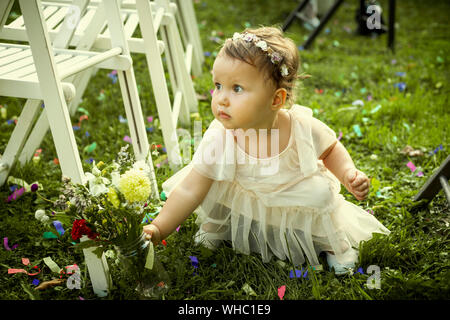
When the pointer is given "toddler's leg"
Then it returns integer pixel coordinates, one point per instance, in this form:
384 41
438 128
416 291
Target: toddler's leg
349 257
215 228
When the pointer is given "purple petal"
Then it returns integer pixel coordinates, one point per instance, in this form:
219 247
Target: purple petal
194 261
34 187
58 227
5 243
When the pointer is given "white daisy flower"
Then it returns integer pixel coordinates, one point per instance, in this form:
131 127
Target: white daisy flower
284 70
262 44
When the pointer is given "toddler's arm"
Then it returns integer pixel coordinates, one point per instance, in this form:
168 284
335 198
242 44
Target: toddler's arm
338 161
183 200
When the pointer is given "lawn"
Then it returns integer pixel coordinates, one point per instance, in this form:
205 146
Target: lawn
413 260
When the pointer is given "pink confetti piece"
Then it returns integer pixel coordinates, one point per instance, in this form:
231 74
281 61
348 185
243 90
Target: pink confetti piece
26 261
281 291
178 228
150 119
419 174
80 297
411 166
127 139
340 135
12 271
16 194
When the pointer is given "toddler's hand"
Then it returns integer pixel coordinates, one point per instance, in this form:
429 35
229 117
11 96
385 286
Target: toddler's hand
357 183
152 233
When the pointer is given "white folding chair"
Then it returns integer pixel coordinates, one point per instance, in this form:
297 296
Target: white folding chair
187 23
36 71
151 18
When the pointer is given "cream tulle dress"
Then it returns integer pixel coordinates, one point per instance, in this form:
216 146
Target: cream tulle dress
287 205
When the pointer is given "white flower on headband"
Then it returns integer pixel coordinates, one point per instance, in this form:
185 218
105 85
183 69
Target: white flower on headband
284 70
237 36
262 44
249 37
274 56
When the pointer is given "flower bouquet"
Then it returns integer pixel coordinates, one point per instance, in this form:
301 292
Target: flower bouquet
110 210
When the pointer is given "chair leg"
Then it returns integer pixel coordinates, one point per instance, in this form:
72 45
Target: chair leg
136 123
185 80
129 91
98 271
159 83
18 137
175 77
187 14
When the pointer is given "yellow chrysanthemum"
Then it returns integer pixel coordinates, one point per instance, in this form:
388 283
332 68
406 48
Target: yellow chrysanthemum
113 197
135 185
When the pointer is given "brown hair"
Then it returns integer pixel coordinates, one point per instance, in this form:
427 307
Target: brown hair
248 52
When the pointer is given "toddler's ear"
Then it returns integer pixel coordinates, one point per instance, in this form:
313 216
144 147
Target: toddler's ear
279 98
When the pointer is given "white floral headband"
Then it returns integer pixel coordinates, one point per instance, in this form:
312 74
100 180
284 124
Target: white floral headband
275 57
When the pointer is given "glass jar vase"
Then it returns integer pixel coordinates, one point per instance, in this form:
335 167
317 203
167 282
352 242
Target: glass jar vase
151 283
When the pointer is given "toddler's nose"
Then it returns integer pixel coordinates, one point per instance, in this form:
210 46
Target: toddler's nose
222 99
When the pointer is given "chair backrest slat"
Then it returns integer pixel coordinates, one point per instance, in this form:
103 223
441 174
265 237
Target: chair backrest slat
5 8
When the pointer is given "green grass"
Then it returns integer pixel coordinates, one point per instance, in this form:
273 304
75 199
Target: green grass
413 260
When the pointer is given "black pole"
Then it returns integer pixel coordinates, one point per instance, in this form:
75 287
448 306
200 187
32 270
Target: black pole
391 35
287 23
325 19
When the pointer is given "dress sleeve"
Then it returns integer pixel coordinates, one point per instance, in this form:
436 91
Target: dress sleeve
323 136
215 156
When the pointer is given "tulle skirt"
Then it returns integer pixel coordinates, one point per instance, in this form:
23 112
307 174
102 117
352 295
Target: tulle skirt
287 230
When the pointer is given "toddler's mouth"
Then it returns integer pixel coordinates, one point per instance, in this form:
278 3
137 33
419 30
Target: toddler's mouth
224 115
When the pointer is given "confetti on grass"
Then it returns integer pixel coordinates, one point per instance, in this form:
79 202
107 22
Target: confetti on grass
376 109
122 119
49 235
58 227
440 147
26 262
357 130
401 86
90 148
411 166
194 261
127 139
6 245
298 273
16 195
281 291
248 290
52 265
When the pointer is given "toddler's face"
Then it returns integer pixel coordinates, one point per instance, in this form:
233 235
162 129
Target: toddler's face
241 97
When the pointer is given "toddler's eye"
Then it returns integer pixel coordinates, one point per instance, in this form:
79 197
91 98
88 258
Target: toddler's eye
237 88
218 86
